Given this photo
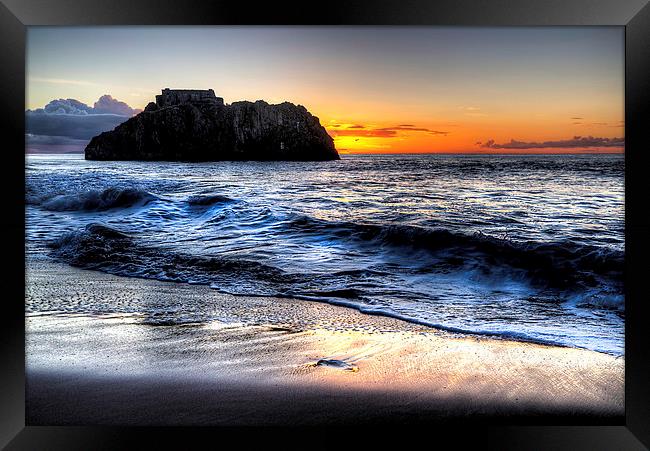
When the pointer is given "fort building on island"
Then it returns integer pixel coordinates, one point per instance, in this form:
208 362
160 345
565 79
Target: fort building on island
170 97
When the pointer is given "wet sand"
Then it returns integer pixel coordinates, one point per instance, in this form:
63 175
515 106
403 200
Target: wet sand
272 361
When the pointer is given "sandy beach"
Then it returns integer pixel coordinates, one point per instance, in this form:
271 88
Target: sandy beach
273 361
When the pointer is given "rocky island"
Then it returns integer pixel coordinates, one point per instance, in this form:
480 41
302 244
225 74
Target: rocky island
196 125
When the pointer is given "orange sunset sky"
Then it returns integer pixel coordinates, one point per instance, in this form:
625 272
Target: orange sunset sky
375 89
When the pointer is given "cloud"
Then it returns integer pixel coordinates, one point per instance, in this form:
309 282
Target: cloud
108 105
73 120
575 142
414 129
62 81
577 118
64 106
600 124
611 124
46 139
472 111
53 144
75 126
383 132
368 133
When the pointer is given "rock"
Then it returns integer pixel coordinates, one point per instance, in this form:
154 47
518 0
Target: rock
186 126
339 364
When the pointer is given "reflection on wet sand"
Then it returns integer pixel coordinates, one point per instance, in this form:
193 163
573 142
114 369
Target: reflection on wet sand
273 355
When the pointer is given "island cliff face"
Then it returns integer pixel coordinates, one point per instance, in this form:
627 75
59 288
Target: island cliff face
194 125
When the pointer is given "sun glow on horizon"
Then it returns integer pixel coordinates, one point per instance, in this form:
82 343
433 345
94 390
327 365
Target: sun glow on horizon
375 89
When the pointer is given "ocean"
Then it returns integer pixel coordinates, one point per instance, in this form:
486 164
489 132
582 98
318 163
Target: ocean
526 247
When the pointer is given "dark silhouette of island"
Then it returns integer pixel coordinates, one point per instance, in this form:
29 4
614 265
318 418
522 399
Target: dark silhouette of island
196 125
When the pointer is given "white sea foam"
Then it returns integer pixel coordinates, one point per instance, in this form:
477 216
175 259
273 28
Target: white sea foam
521 247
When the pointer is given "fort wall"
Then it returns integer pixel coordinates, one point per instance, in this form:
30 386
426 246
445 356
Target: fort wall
170 97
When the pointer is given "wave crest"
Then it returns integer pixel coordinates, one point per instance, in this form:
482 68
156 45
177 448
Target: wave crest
107 199
556 264
101 247
208 200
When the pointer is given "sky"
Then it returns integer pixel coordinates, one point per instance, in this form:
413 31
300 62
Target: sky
375 89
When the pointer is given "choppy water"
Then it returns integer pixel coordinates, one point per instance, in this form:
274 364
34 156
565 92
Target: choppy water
527 247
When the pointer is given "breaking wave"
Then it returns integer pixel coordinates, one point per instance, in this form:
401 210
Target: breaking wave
100 247
107 199
554 264
516 247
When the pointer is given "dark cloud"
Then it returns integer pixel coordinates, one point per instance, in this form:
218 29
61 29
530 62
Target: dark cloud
68 124
106 104
575 142
369 133
384 132
75 126
53 144
45 139
600 124
577 118
414 129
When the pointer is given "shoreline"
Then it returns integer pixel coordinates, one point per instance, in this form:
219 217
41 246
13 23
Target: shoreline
284 361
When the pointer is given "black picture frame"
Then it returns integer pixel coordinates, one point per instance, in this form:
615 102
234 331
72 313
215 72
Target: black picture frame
634 15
